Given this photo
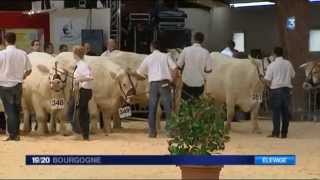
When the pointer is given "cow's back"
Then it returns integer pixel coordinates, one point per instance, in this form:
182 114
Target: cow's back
231 77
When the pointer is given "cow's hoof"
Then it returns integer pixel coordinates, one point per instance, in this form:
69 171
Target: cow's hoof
40 133
66 133
53 131
25 132
256 131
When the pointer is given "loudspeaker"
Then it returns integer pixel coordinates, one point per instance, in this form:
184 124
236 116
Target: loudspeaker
95 38
84 4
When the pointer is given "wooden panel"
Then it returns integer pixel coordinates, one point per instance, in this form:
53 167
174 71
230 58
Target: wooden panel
295 41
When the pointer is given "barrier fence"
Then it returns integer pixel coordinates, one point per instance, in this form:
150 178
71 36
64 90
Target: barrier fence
312 104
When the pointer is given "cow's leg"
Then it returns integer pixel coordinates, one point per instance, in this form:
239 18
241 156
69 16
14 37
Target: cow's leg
254 119
116 120
107 122
26 117
26 121
230 104
53 123
62 124
41 118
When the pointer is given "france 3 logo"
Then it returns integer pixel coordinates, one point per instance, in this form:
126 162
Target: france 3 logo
291 23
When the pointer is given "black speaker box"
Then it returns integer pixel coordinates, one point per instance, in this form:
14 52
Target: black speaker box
89 4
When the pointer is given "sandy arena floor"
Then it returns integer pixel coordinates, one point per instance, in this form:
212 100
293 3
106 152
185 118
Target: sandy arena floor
304 141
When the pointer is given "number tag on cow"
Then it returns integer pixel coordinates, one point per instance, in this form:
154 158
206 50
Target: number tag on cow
257 98
125 112
57 103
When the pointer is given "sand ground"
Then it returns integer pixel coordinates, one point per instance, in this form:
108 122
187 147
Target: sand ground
304 141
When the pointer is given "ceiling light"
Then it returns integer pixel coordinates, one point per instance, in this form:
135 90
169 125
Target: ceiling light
263 3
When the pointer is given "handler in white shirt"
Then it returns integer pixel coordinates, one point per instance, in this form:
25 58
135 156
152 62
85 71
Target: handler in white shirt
84 77
195 61
14 68
279 76
158 67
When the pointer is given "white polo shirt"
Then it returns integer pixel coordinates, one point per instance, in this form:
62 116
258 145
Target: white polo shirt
83 70
195 60
157 66
227 51
13 65
280 72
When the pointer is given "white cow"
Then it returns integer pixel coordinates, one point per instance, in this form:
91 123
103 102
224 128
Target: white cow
110 84
235 82
43 94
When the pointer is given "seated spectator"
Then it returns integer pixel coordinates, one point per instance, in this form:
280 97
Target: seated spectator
48 48
230 50
35 46
63 48
88 49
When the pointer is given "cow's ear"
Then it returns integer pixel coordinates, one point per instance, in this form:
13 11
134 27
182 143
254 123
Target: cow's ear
43 69
307 64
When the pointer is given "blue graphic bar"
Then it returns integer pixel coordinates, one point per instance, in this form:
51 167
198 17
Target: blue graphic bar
275 160
160 160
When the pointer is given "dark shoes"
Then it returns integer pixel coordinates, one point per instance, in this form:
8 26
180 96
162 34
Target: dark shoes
273 136
152 135
283 136
17 138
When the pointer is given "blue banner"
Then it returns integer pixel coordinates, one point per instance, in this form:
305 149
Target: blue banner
160 160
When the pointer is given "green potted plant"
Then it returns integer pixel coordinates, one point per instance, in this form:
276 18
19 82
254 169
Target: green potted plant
198 129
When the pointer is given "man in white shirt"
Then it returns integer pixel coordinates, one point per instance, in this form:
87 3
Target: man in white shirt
158 67
230 51
278 77
111 46
194 61
14 68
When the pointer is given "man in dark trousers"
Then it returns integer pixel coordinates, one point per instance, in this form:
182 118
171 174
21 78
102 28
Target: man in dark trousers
158 67
278 77
14 67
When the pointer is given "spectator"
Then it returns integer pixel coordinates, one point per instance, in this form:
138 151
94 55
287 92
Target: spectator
111 46
88 49
49 48
63 48
35 46
14 67
229 50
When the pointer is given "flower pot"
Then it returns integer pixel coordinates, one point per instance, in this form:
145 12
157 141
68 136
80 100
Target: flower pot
200 172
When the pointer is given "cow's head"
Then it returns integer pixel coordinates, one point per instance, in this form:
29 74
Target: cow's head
312 72
57 77
126 83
